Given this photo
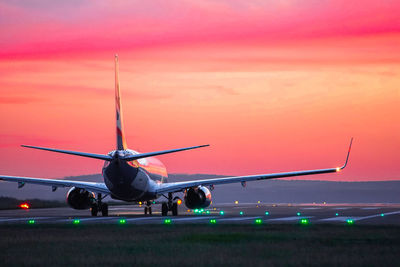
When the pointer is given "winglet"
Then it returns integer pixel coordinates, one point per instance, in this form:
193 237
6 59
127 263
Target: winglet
347 158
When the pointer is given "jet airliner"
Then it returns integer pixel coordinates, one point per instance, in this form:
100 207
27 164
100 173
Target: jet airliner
140 177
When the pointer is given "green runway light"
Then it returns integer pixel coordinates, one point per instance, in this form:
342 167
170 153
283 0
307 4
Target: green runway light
31 222
267 213
207 212
213 221
350 221
167 221
122 221
298 214
241 213
196 211
382 214
258 221
76 221
222 212
337 214
304 221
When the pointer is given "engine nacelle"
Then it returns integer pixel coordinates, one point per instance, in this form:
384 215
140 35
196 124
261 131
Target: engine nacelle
80 199
196 198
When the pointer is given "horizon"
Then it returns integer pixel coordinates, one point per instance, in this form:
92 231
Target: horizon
271 86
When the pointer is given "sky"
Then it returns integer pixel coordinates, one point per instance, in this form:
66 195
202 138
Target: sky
272 86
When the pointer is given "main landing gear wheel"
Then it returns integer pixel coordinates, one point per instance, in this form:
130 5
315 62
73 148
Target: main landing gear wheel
104 210
171 205
147 210
164 209
175 209
94 210
99 206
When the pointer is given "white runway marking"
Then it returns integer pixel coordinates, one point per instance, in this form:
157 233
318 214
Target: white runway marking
141 219
290 219
311 208
191 219
127 209
369 208
238 219
85 219
344 218
24 219
338 219
341 208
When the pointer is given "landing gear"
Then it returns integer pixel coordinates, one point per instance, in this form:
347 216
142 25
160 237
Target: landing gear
164 209
171 205
99 206
104 209
175 209
147 209
94 210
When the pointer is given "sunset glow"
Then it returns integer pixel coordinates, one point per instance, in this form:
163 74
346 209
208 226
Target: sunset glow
271 85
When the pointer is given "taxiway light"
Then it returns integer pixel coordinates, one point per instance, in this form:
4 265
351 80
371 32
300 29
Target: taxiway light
167 221
179 201
241 213
76 221
122 221
382 214
267 213
24 206
222 212
31 222
236 202
213 221
258 221
336 214
207 212
350 221
304 221
298 214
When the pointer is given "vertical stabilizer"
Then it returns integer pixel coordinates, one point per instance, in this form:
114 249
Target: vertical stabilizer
121 142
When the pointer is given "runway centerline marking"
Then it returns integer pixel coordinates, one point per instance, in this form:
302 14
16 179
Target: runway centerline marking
238 219
345 218
192 218
292 218
24 219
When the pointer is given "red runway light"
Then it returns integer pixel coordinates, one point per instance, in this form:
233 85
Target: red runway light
24 206
179 201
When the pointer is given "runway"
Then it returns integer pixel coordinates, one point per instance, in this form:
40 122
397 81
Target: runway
228 213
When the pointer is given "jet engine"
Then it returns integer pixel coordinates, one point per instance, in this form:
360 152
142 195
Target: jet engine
199 197
80 199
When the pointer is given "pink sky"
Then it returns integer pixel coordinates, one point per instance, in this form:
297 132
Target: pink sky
271 85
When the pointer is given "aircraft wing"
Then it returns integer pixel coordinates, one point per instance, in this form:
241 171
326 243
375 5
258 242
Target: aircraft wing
180 186
90 186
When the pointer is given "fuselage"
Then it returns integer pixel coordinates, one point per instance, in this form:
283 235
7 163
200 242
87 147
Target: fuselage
135 180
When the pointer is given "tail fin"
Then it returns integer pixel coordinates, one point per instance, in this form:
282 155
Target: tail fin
121 142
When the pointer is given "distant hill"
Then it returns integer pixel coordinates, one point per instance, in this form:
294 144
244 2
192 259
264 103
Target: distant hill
269 191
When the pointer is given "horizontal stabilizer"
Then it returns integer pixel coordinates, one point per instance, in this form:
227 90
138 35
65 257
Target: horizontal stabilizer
157 153
82 154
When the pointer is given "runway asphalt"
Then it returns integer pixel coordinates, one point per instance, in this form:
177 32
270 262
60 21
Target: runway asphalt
228 213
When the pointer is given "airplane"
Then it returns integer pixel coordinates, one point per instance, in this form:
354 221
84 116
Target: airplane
141 178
